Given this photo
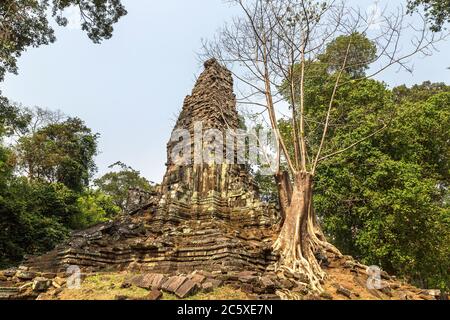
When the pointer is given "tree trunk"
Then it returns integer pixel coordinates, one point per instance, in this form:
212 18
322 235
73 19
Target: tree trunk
284 186
300 238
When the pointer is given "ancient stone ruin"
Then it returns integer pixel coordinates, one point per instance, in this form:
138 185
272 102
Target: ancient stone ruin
206 216
205 227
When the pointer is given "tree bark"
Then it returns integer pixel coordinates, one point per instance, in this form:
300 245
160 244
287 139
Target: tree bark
284 187
301 237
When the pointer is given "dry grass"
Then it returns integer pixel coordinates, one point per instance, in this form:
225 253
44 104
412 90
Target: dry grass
102 287
108 286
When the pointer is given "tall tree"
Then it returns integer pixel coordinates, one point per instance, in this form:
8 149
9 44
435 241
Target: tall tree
25 23
436 11
116 184
360 54
264 46
37 212
61 152
13 119
384 201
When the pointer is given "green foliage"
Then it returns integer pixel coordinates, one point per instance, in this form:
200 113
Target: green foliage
375 110
361 52
94 207
35 216
61 152
12 118
386 200
436 11
98 16
57 156
418 92
117 183
38 212
32 218
24 24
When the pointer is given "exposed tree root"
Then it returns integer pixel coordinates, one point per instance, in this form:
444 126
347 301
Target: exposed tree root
301 239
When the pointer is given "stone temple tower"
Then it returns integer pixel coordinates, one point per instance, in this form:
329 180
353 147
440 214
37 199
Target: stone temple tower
201 189
206 216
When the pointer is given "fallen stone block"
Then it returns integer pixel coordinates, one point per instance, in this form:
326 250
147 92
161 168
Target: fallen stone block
41 284
265 285
326 295
25 275
59 281
9 273
426 297
432 293
173 283
247 276
197 278
207 287
49 275
247 273
228 277
188 288
158 281
247 288
344 291
7 293
154 295
214 282
143 281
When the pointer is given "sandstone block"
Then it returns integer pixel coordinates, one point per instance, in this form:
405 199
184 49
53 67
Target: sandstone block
173 283
207 287
25 275
154 295
188 288
143 281
344 291
49 275
158 281
41 284
247 288
197 278
267 284
9 273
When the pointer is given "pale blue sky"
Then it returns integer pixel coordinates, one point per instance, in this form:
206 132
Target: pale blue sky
129 88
